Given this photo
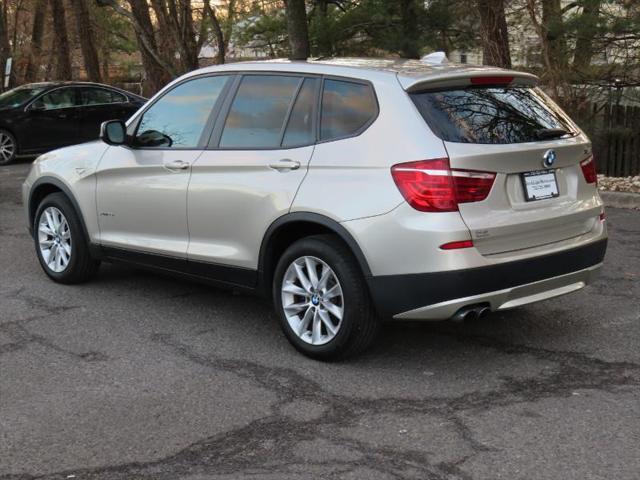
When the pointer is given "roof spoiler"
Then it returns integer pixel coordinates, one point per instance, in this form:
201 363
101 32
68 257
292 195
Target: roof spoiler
467 77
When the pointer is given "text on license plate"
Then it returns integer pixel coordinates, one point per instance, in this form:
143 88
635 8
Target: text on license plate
540 185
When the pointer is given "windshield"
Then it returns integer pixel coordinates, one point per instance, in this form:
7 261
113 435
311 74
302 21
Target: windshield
18 96
492 115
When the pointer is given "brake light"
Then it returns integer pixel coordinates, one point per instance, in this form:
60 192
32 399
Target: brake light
589 170
457 245
491 80
432 186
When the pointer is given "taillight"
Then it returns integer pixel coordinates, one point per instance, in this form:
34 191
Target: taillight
589 170
432 186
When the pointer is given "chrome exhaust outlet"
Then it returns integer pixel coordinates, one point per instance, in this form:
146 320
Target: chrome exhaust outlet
465 314
483 312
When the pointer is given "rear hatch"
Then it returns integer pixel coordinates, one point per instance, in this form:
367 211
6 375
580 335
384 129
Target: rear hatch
542 192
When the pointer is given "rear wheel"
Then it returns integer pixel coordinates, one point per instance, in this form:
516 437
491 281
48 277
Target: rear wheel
322 300
8 147
61 246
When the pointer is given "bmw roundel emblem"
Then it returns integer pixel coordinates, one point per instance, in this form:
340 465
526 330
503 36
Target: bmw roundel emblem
549 158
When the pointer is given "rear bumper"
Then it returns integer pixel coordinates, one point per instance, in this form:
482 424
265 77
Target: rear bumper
436 296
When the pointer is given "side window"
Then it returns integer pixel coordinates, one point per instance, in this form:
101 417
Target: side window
346 108
300 126
60 98
100 96
258 111
178 119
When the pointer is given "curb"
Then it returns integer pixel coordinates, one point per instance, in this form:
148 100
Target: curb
621 199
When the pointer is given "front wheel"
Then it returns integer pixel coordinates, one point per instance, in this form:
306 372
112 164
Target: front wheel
322 299
60 242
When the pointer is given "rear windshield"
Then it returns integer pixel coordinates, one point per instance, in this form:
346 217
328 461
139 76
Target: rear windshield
494 115
18 96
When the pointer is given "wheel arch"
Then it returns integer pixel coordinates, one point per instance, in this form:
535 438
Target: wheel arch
44 186
291 227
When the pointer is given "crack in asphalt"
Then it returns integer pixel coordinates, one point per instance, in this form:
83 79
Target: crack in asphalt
272 444
21 337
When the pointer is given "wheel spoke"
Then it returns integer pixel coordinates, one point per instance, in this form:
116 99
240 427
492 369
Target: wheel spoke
296 307
294 289
316 334
303 326
325 274
311 271
44 228
302 277
335 310
326 319
333 292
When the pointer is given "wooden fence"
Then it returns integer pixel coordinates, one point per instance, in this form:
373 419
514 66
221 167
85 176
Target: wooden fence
615 133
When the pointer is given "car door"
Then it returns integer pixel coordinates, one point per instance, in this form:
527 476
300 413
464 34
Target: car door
142 186
97 105
258 156
53 119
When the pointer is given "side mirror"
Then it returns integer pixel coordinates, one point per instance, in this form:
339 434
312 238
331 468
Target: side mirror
113 132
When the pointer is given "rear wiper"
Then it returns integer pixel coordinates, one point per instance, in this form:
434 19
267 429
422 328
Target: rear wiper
549 133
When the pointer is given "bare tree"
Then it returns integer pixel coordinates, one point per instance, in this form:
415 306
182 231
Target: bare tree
297 29
62 57
494 34
87 39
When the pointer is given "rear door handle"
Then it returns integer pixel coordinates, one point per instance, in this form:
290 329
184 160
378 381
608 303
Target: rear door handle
285 165
176 165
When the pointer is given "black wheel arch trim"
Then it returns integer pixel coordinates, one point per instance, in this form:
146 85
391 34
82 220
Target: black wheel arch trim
318 219
60 185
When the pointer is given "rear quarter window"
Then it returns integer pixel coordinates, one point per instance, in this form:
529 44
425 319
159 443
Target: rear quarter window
491 115
347 108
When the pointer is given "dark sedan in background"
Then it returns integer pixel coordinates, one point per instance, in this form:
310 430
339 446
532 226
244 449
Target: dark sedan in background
38 117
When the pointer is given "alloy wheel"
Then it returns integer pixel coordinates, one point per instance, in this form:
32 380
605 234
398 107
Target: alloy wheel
7 147
54 239
312 300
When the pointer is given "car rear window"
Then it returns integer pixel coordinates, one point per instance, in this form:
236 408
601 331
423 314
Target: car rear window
491 115
347 107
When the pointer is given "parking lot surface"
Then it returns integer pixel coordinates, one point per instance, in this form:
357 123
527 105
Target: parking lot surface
138 376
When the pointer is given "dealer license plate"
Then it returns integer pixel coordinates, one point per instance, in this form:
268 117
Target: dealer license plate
540 185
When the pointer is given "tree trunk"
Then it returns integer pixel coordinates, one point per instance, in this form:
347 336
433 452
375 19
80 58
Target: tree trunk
217 30
297 29
586 33
37 32
87 40
553 35
62 57
494 34
325 44
409 47
156 76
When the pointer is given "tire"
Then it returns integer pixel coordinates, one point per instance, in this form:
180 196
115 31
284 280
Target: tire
79 266
8 147
357 328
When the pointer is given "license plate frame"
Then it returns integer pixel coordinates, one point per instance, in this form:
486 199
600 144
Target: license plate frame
547 187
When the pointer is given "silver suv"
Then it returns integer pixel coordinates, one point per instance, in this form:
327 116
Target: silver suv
346 190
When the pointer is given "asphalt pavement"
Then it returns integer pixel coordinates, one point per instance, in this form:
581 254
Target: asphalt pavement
139 376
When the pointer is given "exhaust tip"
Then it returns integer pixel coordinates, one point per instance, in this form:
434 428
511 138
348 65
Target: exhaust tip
483 312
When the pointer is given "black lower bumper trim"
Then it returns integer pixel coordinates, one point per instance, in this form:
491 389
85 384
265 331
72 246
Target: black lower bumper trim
393 294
